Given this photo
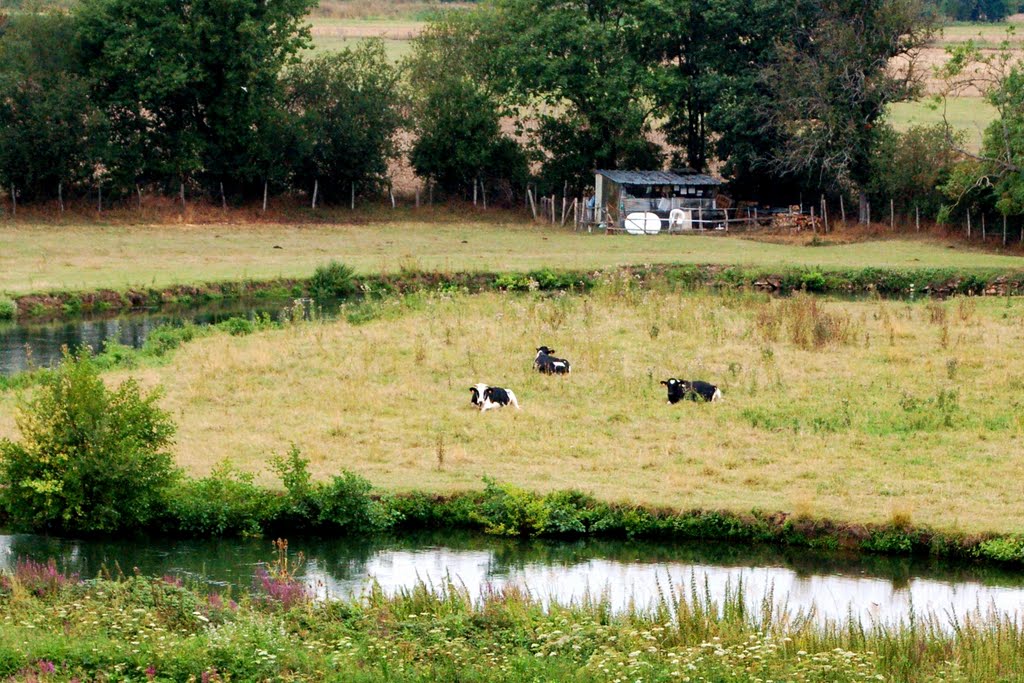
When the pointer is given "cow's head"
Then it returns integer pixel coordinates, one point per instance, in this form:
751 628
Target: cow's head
675 388
544 350
476 393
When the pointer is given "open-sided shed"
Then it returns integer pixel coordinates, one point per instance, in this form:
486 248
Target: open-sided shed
649 202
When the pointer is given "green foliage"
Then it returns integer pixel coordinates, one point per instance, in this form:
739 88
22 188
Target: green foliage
346 110
48 125
237 327
190 88
8 309
333 280
166 338
1005 549
909 168
91 460
225 503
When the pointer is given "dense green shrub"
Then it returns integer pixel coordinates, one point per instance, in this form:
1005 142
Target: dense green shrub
90 459
8 309
238 327
333 280
225 503
169 337
1007 549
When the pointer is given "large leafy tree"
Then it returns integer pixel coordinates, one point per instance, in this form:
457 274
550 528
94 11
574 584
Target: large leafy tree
995 173
571 68
347 111
190 87
456 117
46 120
832 82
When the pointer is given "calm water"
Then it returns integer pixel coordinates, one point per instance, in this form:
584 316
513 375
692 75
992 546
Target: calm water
835 586
28 345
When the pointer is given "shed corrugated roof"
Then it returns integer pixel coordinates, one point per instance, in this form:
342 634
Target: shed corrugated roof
658 178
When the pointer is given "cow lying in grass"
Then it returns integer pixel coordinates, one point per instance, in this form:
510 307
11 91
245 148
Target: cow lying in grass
488 397
678 389
548 364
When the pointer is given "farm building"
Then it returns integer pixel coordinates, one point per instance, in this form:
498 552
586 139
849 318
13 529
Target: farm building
649 202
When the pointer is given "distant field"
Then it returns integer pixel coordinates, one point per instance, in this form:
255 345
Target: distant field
77 257
969 114
860 411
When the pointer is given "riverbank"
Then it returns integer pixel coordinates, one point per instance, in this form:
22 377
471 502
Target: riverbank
58 628
933 282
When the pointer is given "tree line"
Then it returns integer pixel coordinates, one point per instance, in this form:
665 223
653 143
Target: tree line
212 98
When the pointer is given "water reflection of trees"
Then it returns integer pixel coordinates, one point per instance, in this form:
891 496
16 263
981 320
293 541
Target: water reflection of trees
347 559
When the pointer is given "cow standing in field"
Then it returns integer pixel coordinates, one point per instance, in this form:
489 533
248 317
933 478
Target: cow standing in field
548 364
679 389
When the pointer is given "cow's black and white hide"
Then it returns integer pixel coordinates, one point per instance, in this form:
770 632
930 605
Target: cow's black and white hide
548 364
679 389
496 397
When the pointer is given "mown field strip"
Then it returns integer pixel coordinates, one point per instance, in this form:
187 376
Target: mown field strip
41 258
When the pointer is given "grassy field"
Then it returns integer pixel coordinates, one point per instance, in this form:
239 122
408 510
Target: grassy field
969 114
79 257
859 411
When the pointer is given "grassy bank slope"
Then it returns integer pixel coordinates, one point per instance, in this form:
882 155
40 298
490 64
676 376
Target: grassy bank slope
856 411
140 629
46 258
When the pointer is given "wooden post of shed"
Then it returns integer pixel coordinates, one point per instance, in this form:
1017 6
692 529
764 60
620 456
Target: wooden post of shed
700 217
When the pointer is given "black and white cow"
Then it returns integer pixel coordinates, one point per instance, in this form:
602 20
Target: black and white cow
548 364
679 389
496 397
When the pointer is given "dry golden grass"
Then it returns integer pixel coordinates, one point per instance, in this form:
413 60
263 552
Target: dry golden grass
41 257
831 408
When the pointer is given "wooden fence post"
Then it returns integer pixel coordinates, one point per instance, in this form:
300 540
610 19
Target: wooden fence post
138 191
181 189
474 191
892 214
352 204
483 194
968 224
1004 230
223 199
60 196
983 226
391 195
99 197
842 210
533 205
316 190
265 183
917 217
14 202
